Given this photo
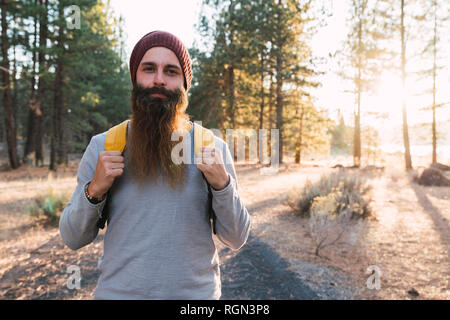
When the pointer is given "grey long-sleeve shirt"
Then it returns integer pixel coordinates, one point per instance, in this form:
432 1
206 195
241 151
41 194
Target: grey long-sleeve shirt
159 242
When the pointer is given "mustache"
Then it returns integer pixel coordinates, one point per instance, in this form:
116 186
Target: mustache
143 96
160 90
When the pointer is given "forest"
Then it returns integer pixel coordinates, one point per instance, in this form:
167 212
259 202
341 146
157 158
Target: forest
65 74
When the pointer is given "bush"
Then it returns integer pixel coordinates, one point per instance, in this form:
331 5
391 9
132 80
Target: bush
340 191
330 221
49 205
331 204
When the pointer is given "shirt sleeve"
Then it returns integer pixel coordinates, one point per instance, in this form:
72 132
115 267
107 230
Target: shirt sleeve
78 222
232 218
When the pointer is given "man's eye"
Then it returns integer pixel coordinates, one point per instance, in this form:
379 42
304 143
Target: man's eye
172 71
148 69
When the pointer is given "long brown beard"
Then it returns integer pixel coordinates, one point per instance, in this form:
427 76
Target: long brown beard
152 122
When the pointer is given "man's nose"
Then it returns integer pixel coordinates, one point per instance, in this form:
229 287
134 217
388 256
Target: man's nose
159 80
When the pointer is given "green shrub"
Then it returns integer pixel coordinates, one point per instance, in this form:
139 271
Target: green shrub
335 193
49 204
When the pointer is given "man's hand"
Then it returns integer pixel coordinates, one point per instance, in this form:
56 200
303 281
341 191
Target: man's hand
110 165
210 162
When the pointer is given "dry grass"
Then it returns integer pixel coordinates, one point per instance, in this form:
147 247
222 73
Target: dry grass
20 233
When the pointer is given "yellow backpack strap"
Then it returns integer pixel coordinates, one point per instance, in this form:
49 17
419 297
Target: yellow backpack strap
205 138
116 137
115 140
202 138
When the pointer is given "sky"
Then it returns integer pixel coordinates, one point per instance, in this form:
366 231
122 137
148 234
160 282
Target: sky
142 16
180 16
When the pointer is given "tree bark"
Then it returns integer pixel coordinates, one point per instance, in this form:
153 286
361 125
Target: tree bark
10 124
231 93
279 104
261 108
39 159
434 136
408 164
57 153
357 132
31 136
14 92
299 144
279 86
271 101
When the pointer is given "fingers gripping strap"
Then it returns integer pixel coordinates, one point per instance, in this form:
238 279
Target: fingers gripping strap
115 140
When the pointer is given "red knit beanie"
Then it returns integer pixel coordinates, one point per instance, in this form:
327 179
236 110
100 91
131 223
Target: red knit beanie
161 39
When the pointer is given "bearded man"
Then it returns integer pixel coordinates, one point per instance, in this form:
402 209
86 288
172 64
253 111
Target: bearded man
159 242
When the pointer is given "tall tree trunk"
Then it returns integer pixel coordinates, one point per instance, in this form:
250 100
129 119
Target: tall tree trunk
434 137
271 113
408 164
230 82
10 124
279 87
299 143
58 154
271 102
357 133
231 96
231 93
55 142
231 111
1 128
31 136
279 104
14 93
14 76
62 157
39 160
261 108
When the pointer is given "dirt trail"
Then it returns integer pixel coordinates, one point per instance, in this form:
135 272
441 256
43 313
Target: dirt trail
295 278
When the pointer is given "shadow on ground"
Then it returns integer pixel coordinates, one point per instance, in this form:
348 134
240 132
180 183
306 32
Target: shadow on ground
257 272
441 224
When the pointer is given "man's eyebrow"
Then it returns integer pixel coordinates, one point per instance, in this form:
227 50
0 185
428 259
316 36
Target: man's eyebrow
149 63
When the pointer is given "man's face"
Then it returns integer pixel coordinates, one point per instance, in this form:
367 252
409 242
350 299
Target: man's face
160 67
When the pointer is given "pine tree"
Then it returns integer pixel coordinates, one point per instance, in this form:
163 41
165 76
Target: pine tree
433 21
10 123
361 53
408 162
72 83
33 12
257 51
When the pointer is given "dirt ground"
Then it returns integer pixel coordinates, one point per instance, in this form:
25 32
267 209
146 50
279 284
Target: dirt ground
407 238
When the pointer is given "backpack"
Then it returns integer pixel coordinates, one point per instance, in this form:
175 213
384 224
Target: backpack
116 138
